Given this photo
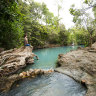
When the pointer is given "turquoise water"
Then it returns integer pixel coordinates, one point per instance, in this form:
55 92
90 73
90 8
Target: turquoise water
54 84
48 57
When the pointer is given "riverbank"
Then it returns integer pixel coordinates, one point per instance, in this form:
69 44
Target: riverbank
47 46
81 66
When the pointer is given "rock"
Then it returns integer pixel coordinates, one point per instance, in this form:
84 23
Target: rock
37 71
79 47
24 73
21 74
12 61
17 85
81 66
46 72
1 50
94 46
33 76
31 70
15 59
50 71
60 55
28 73
41 71
7 82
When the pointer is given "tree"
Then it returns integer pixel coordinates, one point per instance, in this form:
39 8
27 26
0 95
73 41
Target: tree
11 29
59 7
83 20
63 35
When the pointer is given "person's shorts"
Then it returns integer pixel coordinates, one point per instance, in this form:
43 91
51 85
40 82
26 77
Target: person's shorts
27 45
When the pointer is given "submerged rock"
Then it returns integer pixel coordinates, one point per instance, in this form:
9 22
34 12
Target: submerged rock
81 66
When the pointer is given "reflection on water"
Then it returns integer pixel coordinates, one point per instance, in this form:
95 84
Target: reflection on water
56 84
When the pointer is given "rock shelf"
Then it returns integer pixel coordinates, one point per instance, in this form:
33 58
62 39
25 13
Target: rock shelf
81 66
12 61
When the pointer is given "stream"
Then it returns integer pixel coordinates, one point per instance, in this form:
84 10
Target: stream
54 84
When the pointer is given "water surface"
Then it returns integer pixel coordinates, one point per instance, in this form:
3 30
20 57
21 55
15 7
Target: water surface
55 84
48 56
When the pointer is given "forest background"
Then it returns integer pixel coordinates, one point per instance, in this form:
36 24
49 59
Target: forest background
42 27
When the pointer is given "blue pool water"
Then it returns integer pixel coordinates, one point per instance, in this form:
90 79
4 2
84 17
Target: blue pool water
48 57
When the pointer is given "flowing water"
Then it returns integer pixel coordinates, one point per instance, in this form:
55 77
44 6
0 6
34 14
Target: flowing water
54 84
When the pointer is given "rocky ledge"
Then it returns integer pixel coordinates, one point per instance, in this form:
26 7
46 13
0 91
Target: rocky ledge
81 66
13 60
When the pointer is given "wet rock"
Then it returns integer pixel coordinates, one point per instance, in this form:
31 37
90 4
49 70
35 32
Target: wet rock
7 82
31 71
27 73
21 74
37 71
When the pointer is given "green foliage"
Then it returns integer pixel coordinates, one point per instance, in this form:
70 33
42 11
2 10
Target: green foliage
63 35
38 33
76 13
10 25
82 36
35 19
85 23
79 36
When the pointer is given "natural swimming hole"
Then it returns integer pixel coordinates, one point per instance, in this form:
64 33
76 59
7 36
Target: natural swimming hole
54 84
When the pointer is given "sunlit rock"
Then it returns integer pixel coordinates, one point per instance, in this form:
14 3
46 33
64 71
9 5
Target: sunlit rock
21 74
37 71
